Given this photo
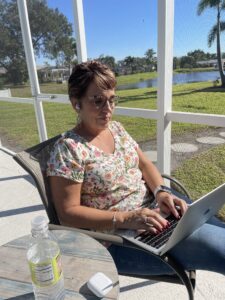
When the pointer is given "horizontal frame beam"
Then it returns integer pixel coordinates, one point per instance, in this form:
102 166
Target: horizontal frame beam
17 100
172 116
196 118
137 112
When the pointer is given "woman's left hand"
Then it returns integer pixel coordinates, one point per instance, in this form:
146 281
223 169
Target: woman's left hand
167 204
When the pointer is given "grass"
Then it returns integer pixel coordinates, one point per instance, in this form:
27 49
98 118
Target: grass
200 174
18 120
196 97
203 173
133 78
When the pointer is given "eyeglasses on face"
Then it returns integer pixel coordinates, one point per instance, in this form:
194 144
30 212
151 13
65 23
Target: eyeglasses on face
99 101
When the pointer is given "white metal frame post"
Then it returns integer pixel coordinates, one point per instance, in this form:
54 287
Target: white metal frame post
31 65
80 31
165 81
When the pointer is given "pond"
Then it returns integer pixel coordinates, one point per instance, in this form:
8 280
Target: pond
178 78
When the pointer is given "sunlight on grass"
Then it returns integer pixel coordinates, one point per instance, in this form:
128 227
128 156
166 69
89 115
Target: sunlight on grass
133 78
203 173
196 97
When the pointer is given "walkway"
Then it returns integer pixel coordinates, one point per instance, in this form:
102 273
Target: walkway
20 202
185 146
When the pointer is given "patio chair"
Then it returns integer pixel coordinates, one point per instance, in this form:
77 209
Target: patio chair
34 161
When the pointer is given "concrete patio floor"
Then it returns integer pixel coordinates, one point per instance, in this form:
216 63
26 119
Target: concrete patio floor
20 202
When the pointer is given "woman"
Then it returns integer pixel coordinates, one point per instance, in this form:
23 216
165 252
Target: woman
100 179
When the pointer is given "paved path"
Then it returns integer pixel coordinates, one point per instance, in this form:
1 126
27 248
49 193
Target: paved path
19 200
189 144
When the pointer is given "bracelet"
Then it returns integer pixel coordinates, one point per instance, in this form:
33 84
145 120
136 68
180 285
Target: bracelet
114 220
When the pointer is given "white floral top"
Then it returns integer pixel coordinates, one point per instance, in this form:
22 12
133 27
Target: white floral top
109 181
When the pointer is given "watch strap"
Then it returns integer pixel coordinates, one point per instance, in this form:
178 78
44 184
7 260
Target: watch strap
161 188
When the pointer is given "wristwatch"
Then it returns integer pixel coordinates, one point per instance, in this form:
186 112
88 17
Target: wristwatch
161 188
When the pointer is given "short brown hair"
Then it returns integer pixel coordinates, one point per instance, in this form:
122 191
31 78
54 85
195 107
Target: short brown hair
85 73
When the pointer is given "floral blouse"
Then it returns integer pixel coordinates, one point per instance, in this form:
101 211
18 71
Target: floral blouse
109 181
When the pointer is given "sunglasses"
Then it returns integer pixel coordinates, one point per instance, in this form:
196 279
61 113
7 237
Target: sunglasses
99 101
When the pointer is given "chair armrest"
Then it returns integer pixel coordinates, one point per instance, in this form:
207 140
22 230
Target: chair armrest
178 183
114 239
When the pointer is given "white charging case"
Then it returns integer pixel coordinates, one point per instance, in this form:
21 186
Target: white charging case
100 284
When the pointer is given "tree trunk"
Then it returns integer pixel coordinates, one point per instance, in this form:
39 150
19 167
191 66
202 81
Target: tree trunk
219 56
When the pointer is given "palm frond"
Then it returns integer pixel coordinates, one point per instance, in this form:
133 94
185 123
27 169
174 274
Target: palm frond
204 4
213 32
223 5
222 26
212 35
201 7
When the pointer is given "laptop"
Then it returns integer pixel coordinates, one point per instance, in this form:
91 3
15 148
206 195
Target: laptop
196 215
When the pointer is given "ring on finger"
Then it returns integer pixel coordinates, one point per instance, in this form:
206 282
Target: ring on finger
146 221
148 224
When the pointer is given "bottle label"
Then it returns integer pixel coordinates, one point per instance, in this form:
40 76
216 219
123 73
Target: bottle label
46 273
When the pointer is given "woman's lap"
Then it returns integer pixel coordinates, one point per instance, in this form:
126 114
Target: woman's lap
204 250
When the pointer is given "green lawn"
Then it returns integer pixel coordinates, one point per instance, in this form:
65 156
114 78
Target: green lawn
196 97
200 174
203 173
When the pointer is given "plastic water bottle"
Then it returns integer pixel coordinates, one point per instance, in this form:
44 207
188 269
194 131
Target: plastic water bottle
45 262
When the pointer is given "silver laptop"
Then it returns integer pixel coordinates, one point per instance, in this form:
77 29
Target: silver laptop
196 215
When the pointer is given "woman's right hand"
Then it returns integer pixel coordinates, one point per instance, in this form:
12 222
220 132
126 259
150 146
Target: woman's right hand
143 219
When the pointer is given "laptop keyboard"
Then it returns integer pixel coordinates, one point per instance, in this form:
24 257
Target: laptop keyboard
161 238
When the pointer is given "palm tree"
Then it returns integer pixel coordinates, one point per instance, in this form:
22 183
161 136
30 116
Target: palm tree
151 59
130 63
214 33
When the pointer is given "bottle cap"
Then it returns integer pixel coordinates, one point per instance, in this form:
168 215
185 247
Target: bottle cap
39 223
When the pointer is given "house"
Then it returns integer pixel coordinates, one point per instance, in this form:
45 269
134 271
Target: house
210 63
2 71
53 73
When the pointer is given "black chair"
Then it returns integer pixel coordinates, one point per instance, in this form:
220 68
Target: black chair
34 161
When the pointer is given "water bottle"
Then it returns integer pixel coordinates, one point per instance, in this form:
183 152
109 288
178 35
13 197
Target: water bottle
45 262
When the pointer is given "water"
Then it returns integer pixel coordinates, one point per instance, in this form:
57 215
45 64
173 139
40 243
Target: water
41 256
45 263
178 78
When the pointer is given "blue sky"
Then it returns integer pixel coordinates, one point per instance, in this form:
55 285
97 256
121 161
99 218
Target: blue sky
129 27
